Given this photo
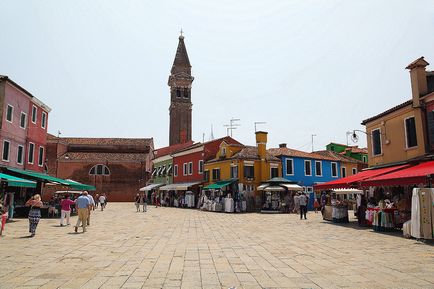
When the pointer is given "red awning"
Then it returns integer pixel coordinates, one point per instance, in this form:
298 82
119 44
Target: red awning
408 176
354 180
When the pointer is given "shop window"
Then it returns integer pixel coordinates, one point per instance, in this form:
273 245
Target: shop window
23 118
274 172
334 170
354 171
190 168
41 157
289 167
201 167
216 174
175 171
20 155
9 113
344 172
376 142
249 172
34 113
6 149
307 168
318 168
31 153
100 170
44 120
410 132
234 172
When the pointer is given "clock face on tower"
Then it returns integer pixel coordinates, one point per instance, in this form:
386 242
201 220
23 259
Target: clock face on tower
180 81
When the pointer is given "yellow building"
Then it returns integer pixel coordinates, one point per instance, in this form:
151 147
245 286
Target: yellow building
251 165
406 131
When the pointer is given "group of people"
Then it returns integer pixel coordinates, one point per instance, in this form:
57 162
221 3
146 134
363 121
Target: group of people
84 204
297 204
141 201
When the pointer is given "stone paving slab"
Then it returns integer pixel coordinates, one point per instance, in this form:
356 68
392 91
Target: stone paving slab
183 248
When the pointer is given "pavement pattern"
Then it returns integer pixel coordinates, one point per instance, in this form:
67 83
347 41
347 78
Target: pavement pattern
185 248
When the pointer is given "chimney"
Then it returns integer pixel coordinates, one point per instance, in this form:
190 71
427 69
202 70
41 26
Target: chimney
261 143
282 145
419 85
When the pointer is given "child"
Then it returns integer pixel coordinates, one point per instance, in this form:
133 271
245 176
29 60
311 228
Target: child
4 215
316 205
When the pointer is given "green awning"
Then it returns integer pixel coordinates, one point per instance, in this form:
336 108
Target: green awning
17 182
49 179
220 184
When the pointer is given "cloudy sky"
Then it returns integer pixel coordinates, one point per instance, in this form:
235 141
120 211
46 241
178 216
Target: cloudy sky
304 67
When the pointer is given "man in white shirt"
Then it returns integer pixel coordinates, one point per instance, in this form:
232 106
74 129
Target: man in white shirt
303 199
91 207
102 202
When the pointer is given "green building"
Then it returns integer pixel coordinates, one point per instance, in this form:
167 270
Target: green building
354 152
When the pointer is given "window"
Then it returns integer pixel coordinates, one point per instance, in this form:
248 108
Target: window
100 170
274 172
223 152
201 167
31 153
289 167
34 112
234 172
344 172
354 171
6 148
20 155
178 93
216 174
186 93
190 168
307 168
184 169
334 170
249 171
365 159
206 176
9 113
318 168
376 142
44 119
23 119
41 157
169 169
410 132
175 170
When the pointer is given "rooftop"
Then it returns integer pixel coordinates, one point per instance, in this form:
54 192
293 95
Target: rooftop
283 151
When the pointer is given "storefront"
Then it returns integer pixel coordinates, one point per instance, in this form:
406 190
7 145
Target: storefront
222 196
149 191
182 195
277 195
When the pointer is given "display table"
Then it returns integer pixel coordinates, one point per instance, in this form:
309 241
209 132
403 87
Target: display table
340 214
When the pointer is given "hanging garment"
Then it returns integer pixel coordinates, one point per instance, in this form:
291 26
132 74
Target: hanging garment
415 214
425 212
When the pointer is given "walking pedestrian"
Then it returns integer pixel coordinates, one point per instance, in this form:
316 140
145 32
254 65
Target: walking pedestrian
35 205
102 202
65 211
4 216
296 203
83 205
316 205
91 207
303 199
137 202
97 201
144 202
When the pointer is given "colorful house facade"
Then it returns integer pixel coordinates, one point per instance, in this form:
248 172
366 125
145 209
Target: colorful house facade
249 165
349 166
354 152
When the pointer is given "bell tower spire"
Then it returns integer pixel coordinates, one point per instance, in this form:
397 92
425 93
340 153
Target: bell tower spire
180 109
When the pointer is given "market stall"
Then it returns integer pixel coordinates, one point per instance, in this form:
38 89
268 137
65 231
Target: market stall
342 200
276 193
183 195
222 196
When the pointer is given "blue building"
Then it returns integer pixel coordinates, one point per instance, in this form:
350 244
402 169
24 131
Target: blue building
306 169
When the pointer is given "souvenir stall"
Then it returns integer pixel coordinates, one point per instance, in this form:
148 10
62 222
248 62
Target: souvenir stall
275 193
181 195
422 214
222 196
151 190
338 204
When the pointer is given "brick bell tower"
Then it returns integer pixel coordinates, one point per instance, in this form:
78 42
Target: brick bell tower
180 81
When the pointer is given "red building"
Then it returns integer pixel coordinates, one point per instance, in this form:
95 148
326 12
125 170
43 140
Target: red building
188 162
117 167
24 124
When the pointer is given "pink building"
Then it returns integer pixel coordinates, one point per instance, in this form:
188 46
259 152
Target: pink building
23 127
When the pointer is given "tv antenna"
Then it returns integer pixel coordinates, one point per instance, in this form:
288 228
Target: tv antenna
232 125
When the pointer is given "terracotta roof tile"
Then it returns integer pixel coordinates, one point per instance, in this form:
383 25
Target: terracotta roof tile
251 152
296 153
395 108
99 157
171 149
338 157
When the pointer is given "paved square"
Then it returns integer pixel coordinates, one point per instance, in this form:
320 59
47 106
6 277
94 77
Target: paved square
183 248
